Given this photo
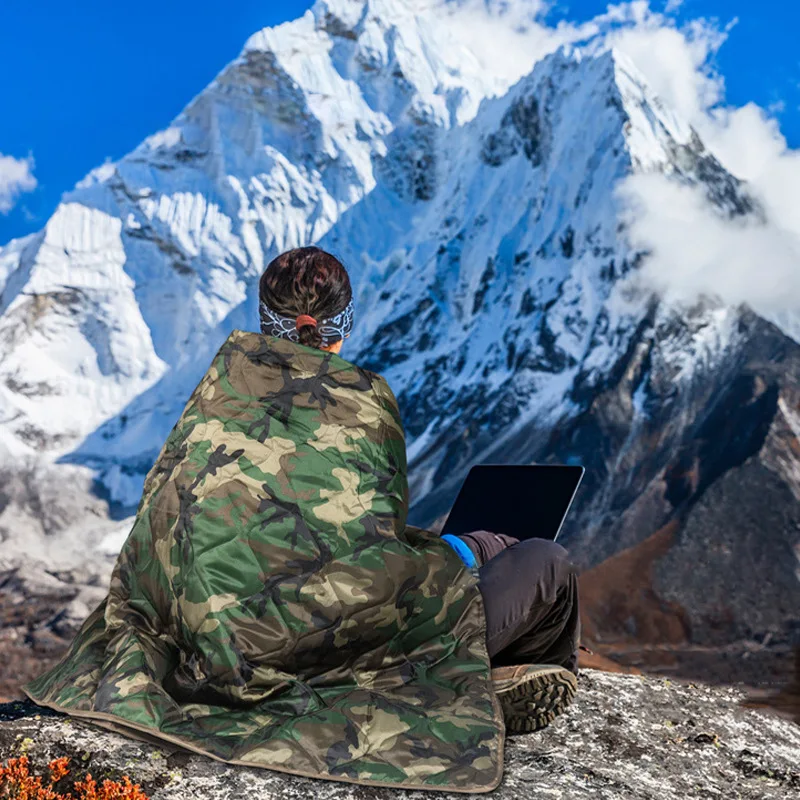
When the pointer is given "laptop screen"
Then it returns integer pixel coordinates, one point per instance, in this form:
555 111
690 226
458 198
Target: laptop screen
522 501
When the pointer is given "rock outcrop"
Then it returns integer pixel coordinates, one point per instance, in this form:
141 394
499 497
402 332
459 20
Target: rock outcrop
625 736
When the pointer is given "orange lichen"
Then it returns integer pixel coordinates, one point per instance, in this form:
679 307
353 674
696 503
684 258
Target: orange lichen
109 790
58 769
17 783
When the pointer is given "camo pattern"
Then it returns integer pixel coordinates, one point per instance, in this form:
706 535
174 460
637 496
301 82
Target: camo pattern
270 606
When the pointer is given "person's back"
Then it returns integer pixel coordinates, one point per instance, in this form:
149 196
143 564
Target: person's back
271 606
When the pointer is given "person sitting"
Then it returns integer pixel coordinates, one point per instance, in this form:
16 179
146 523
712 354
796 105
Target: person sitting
271 607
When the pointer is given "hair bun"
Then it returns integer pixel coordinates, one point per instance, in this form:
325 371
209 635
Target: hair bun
303 320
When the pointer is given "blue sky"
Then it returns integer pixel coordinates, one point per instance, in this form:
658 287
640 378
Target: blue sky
88 80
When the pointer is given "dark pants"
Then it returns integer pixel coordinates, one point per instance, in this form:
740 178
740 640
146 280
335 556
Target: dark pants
530 593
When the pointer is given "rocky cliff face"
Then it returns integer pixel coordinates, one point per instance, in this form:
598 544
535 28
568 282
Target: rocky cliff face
496 290
624 736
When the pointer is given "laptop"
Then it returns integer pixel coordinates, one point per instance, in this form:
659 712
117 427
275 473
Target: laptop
524 501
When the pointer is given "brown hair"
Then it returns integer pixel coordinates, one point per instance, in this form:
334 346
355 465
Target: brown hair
306 281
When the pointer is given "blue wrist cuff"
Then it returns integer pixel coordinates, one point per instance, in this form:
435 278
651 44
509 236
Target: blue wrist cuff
464 553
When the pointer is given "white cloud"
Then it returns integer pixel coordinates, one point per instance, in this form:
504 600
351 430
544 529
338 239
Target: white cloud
695 250
777 107
16 177
507 36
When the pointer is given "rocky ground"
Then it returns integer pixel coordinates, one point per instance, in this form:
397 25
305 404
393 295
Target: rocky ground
625 736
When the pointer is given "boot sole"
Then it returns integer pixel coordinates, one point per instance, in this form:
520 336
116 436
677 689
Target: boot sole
535 703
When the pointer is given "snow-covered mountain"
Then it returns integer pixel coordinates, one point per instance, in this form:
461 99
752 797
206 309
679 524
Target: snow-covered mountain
494 286
111 313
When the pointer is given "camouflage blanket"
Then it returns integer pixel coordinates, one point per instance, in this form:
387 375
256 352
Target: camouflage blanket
270 606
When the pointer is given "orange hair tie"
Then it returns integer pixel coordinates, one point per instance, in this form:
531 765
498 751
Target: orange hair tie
304 319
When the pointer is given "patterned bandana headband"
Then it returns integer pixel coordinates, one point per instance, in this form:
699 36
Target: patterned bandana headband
331 330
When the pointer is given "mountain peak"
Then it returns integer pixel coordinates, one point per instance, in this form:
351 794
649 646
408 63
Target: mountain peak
366 126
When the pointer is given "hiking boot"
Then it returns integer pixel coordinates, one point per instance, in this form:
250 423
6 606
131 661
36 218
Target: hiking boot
533 695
